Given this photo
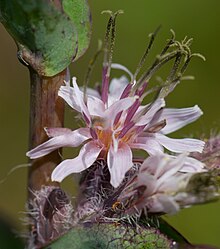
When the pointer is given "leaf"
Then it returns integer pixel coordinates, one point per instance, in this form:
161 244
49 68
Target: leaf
79 13
111 236
47 36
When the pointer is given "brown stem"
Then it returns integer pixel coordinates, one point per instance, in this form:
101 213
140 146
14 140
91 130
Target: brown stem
47 110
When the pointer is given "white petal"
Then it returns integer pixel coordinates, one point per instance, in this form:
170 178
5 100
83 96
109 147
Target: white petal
69 95
69 139
79 99
117 107
163 203
87 156
119 163
178 118
149 144
171 167
54 132
153 165
116 89
145 179
192 165
121 67
156 106
92 92
180 145
95 106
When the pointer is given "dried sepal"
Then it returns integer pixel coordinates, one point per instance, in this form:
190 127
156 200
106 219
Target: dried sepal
50 214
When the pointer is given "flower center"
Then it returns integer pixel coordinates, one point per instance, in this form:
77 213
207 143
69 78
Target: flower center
105 137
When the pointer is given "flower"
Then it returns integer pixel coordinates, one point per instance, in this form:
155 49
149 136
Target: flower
115 124
164 184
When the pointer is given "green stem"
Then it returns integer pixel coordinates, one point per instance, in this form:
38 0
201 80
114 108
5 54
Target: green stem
46 110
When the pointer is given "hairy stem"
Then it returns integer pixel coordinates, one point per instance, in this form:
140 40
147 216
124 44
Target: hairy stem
46 110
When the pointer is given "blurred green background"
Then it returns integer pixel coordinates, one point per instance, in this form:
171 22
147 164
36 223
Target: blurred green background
195 18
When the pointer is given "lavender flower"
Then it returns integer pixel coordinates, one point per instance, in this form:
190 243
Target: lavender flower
116 122
116 126
164 184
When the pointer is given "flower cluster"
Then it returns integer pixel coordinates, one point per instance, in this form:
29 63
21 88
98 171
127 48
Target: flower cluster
115 127
116 122
164 184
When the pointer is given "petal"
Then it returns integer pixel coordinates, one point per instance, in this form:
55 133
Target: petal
154 108
68 94
145 179
178 118
92 92
192 165
87 156
79 99
161 203
180 145
121 67
54 132
95 106
117 107
171 167
116 89
68 139
119 163
149 144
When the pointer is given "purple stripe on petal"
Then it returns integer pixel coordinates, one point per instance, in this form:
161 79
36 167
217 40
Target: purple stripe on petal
117 107
126 129
140 129
126 91
117 118
132 110
86 118
93 133
124 95
140 92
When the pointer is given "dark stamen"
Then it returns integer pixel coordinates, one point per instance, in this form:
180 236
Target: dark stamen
144 57
108 52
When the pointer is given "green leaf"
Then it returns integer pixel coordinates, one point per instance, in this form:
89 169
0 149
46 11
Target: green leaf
111 236
47 36
79 13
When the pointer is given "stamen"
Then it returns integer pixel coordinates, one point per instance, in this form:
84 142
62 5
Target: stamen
126 129
169 87
163 56
93 133
108 52
160 61
132 110
105 80
126 91
144 57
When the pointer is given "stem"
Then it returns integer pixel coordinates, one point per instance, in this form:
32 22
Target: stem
47 110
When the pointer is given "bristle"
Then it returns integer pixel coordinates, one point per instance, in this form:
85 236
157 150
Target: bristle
50 214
